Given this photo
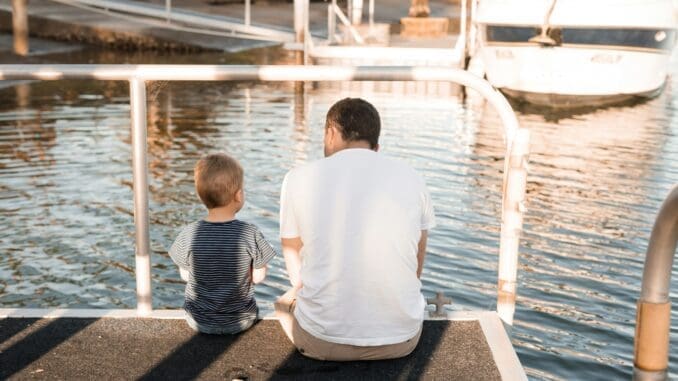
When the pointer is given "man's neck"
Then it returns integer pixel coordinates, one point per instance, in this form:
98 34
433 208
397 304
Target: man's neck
358 144
220 214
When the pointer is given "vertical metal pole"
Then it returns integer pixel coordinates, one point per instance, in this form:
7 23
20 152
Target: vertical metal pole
140 177
247 11
653 316
356 13
20 27
512 224
308 40
331 22
299 29
371 14
462 29
168 10
473 30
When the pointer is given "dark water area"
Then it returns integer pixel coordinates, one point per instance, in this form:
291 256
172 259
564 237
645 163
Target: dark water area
595 183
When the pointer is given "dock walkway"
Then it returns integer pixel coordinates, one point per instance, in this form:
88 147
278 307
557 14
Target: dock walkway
143 348
49 19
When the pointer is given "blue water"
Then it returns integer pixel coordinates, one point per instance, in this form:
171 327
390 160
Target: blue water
596 180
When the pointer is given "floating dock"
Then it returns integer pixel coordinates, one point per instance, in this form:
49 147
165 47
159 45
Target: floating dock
467 346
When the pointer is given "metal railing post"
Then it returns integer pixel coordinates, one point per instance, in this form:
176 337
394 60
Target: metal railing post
168 11
247 12
653 317
140 178
331 21
371 13
299 29
512 223
20 27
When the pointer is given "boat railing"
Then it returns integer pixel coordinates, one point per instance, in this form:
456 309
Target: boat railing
515 159
653 318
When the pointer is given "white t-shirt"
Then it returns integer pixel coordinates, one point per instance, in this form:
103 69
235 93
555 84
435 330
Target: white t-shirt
359 215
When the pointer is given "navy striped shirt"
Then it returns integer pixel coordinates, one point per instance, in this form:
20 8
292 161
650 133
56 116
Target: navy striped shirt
219 257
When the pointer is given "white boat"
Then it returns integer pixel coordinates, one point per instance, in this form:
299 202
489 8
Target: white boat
576 52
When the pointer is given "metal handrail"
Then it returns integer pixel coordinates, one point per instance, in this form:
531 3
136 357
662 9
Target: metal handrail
333 11
516 139
185 17
653 318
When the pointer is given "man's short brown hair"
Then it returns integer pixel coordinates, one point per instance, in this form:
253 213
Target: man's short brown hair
218 177
356 119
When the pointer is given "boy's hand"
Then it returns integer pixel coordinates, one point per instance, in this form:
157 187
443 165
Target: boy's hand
258 275
183 273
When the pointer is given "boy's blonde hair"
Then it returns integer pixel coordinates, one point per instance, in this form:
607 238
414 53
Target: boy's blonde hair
218 177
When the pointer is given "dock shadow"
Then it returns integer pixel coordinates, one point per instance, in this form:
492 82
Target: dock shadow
190 359
37 343
410 367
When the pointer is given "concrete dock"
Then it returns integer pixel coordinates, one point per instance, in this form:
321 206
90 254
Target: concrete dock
108 348
52 20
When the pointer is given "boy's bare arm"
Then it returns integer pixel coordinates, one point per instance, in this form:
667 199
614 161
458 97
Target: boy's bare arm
291 248
258 275
421 252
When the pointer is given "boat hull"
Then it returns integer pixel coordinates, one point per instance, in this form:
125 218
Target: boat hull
613 52
574 76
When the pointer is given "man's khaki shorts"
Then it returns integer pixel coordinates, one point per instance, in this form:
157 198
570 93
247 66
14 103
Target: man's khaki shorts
312 347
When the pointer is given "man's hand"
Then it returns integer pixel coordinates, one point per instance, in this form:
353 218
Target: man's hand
291 248
421 252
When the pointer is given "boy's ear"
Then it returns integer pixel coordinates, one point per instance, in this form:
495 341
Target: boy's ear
239 196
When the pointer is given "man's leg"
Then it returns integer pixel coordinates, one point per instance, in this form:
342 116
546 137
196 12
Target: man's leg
310 346
344 352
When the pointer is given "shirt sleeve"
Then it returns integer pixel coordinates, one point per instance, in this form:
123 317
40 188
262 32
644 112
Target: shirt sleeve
179 252
288 219
263 252
428 217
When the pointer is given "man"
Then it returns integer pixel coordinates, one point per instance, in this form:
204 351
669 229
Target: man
353 227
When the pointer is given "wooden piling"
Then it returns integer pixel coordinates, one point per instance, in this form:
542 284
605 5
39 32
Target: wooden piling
20 26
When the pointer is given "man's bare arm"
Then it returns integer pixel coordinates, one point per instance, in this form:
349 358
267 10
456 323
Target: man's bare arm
291 248
421 252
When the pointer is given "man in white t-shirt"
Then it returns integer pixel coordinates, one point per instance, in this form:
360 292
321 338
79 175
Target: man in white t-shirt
353 227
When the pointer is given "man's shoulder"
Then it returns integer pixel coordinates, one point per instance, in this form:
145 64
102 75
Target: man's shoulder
304 170
400 167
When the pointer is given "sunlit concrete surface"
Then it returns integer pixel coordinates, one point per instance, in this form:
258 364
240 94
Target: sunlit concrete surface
134 348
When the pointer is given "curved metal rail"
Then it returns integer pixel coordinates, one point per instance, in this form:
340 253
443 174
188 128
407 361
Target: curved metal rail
653 319
515 138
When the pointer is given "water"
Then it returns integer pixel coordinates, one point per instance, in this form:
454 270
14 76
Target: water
596 181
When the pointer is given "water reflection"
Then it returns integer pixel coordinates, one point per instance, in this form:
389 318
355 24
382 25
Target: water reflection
595 182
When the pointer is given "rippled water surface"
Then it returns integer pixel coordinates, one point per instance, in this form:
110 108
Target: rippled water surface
596 181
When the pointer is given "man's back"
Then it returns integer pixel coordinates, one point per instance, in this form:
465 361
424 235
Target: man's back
359 216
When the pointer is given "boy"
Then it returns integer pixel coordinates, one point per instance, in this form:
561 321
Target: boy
220 257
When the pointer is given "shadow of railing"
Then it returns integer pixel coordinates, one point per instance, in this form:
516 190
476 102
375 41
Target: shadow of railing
189 360
37 343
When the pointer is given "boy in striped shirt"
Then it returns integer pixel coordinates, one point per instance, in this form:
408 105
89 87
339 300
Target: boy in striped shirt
220 257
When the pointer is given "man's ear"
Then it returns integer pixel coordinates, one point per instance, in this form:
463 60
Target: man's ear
331 132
